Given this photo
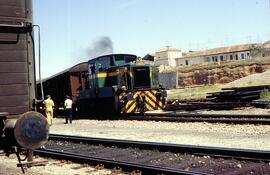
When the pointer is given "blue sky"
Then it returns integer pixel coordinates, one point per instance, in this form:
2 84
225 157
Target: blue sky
69 28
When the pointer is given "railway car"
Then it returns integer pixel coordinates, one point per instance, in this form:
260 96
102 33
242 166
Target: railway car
119 83
20 127
66 82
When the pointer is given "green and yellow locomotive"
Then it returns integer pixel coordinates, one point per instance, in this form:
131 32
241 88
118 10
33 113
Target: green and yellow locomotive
119 83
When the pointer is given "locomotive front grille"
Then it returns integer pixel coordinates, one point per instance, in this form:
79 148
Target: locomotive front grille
141 77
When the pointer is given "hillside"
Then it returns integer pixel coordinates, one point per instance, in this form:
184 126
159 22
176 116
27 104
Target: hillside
224 73
212 78
253 79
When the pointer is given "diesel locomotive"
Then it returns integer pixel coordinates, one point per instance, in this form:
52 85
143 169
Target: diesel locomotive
120 83
21 128
109 84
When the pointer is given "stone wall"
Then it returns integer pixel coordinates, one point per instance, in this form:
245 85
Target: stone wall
168 80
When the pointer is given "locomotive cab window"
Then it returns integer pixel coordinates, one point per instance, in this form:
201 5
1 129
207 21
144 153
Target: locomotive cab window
92 68
121 59
124 79
141 77
103 63
155 77
129 58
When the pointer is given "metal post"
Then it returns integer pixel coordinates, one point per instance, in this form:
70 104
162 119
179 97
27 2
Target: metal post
30 155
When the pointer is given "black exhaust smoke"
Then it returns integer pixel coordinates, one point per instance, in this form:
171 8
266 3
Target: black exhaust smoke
102 46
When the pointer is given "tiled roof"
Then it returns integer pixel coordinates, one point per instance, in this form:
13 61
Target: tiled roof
215 51
266 45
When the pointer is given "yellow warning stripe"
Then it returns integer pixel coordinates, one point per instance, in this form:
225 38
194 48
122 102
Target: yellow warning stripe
151 95
107 74
132 107
151 102
111 74
148 107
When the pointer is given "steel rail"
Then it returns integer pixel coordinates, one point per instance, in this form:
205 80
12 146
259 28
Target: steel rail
190 106
246 154
170 118
198 115
124 166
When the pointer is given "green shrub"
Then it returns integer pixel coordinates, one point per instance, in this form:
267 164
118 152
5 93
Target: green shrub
264 94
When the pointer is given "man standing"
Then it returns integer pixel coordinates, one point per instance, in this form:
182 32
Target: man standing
49 104
68 107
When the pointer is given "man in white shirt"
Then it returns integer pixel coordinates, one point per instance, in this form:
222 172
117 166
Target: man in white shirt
68 108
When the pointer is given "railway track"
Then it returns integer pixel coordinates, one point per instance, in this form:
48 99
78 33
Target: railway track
172 116
191 106
156 158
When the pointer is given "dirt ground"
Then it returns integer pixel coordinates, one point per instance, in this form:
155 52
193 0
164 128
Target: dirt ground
8 166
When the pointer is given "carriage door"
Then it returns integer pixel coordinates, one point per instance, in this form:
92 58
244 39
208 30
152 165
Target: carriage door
92 76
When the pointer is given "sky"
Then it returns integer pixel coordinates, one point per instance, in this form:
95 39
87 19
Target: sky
74 31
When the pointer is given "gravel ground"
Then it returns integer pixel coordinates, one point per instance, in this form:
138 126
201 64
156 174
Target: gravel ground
247 110
205 134
204 164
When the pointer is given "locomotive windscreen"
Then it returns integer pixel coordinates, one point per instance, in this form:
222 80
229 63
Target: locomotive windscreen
123 58
141 77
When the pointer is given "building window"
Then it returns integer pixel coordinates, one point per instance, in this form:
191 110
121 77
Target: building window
207 59
186 62
213 58
247 55
216 58
236 56
221 58
242 56
231 57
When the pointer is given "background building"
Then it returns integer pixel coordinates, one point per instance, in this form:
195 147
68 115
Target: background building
173 57
166 56
229 53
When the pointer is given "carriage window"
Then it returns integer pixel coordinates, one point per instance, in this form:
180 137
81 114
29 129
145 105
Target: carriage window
103 63
129 58
92 69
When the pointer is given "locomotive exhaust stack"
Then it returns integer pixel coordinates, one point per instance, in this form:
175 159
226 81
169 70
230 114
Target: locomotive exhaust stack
26 133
